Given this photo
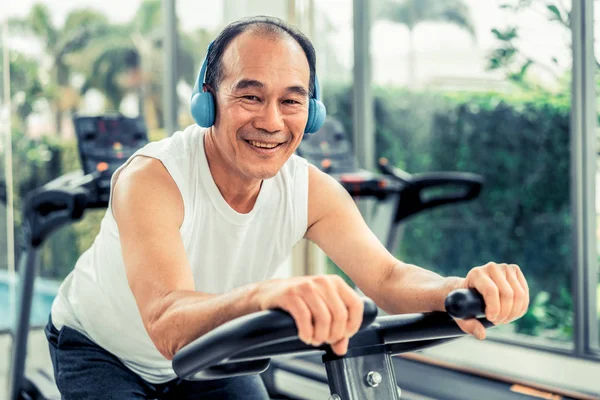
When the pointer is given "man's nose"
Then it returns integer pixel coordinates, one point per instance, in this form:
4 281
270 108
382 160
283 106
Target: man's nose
269 118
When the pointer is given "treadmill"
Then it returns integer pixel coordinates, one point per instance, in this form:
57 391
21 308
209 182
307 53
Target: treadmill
104 143
398 195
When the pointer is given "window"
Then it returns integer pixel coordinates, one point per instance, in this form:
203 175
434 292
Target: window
88 57
482 87
5 225
197 30
595 308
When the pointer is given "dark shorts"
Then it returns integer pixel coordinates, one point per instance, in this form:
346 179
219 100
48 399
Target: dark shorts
84 370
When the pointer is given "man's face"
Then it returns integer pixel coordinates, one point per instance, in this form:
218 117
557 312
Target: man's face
262 104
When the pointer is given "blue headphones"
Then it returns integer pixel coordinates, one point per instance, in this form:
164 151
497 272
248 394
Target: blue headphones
203 103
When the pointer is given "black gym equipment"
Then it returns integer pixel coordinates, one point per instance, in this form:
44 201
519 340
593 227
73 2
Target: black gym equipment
245 345
104 143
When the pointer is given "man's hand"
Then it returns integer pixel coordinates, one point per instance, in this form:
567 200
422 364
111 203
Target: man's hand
325 308
505 293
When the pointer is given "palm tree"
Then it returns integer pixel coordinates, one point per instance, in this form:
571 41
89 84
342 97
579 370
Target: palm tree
105 65
130 58
412 12
80 27
25 86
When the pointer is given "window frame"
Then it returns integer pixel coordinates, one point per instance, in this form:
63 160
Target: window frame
586 338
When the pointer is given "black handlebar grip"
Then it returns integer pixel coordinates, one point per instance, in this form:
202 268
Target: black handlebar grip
370 312
251 335
465 304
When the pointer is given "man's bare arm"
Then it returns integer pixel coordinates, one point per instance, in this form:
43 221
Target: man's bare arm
149 211
338 228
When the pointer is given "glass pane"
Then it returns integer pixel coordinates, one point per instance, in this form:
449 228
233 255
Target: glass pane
334 44
196 31
481 87
5 288
103 60
597 57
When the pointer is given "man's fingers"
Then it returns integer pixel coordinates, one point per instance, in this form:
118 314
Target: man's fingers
488 289
354 305
337 307
523 282
325 308
303 318
521 299
340 348
506 293
321 315
472 327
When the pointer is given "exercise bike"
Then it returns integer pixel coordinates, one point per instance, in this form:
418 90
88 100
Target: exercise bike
245 346
104 143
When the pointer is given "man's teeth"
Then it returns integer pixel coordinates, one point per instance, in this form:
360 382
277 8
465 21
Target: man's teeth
263 145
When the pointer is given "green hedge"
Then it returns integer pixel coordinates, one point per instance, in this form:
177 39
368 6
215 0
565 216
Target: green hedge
521 147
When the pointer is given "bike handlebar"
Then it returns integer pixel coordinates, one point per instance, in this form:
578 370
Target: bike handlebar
245 345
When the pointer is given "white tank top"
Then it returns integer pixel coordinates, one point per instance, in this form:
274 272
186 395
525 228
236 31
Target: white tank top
225 249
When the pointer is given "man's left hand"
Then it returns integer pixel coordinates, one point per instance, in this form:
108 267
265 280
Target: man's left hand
505 293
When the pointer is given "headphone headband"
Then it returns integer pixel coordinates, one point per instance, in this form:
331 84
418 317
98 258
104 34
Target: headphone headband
201 79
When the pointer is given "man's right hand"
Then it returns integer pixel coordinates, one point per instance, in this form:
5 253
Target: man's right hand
325 308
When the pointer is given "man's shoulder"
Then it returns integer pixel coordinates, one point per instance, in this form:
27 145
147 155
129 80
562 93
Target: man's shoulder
297 161
188 137
294 167
325 194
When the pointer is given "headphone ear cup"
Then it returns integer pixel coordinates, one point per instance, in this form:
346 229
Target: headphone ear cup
316 116
203 109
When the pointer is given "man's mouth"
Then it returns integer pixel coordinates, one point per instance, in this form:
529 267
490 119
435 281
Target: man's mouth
263 145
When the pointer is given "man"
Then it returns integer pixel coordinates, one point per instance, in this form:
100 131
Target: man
198 223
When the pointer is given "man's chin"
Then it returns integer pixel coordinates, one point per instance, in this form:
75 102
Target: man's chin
262 173
263 169
265 174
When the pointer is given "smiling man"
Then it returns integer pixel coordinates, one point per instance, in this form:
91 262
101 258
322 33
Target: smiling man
199 222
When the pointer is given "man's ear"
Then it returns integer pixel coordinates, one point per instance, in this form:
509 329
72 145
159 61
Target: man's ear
207 88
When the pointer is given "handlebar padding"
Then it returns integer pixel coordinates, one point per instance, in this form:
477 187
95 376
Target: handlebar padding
250 332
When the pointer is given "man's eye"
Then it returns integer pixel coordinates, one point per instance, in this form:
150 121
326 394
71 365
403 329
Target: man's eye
251 98
291 102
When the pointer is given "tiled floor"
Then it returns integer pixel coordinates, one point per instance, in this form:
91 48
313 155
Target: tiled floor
37 356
